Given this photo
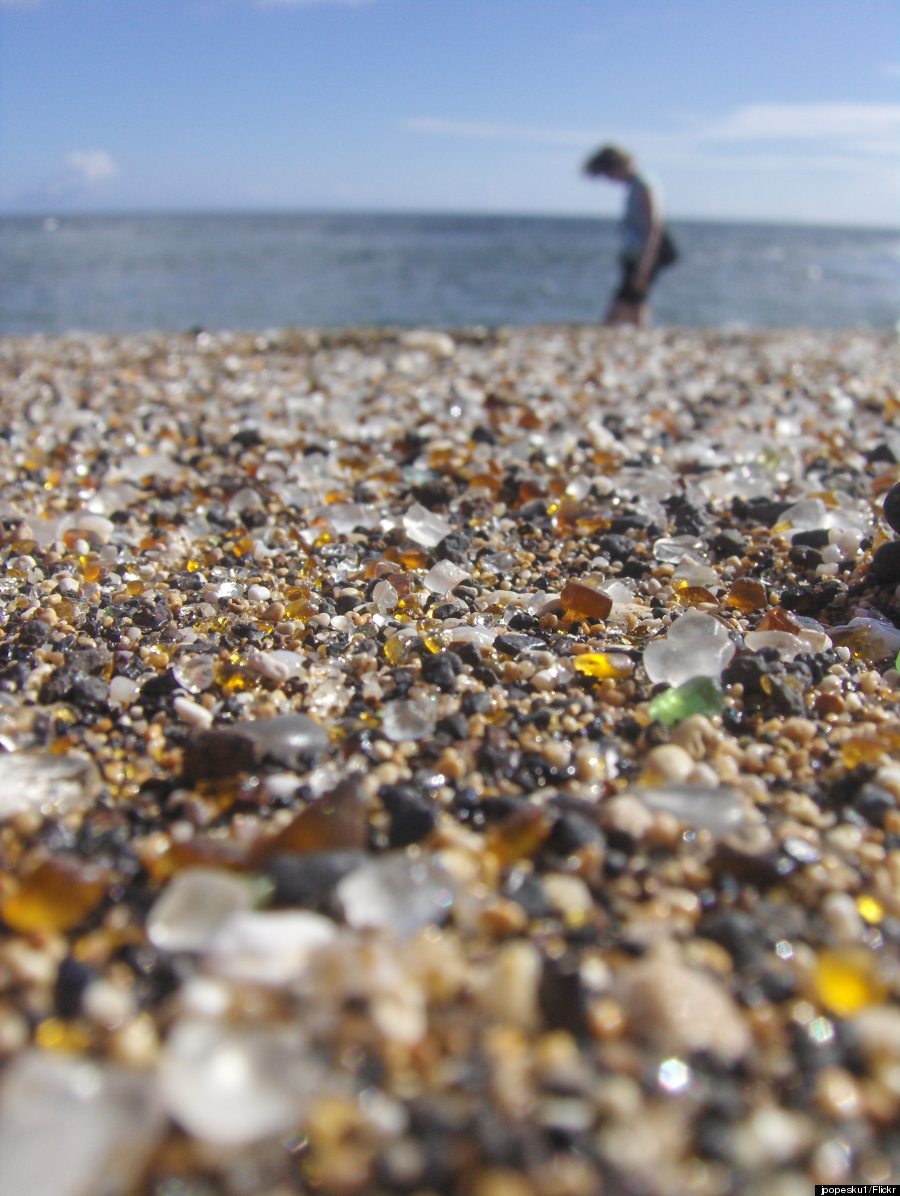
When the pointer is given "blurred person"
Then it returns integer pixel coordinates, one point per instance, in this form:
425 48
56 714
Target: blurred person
646 246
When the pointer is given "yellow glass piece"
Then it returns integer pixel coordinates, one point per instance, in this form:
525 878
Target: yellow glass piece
242 547
846 980
300 608
432 643
192 566
133 588
870 909
862 749
604 664
90 568
53 1034
323 538
396 649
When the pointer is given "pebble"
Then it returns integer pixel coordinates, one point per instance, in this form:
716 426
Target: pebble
679 1010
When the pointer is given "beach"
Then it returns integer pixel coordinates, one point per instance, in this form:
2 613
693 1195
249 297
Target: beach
449 762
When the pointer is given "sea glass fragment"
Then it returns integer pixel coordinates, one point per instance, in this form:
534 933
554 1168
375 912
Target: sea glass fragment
585 602
442 577
746 595
70 1125
614 665
47 784
697 645
717 810
846 980
412 718
58 894
868 639
424 527
697 695
236 1084
195 904
268 947
396 893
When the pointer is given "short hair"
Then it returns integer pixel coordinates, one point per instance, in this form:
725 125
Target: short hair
607 158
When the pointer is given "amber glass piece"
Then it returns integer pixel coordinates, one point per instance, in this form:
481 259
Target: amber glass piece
55 895
530 489
409 558
584 602
518 837
778 619
747 594
333 822
199 852
694 595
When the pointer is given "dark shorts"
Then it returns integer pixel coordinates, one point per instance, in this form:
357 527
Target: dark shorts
628 292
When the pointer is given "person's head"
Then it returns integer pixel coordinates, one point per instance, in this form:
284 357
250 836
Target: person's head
611 162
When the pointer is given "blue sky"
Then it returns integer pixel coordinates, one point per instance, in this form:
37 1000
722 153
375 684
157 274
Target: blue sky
745 109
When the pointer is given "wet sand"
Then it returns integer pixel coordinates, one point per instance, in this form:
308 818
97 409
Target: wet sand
449 763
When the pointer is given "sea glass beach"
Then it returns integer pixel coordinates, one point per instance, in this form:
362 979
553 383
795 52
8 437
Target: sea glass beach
444 762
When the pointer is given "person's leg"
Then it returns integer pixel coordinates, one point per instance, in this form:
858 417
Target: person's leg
623 312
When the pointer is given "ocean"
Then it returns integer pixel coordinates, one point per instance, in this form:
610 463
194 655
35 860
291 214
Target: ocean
168 272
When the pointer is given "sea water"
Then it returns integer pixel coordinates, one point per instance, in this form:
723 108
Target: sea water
261 271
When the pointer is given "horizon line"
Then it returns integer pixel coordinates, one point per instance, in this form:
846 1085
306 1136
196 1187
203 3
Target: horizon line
61 213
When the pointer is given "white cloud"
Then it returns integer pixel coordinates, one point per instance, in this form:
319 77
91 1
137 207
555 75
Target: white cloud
869 130
90 167
806 122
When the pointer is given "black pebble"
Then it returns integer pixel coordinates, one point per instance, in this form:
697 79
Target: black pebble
892 507
71 981
886 562
411 818
308 881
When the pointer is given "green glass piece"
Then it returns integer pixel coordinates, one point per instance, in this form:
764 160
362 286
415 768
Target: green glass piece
699 695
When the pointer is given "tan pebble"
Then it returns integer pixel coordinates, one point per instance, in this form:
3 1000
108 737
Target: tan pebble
678 1009
568 894
503 918
511 985
626 814
107 1004
557 753
136 1043
771 1137
667 763
703 776
13 1031
799 730
869 683
31 965
566 1175
501 1181
878 1031
843 918
696 735
837 1094
589 764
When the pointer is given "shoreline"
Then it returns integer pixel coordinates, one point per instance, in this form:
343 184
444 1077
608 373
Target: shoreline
482 741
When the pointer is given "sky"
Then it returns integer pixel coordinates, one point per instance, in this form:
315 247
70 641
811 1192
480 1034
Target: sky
785 110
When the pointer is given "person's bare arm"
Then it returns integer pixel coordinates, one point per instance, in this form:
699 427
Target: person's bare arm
651 245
